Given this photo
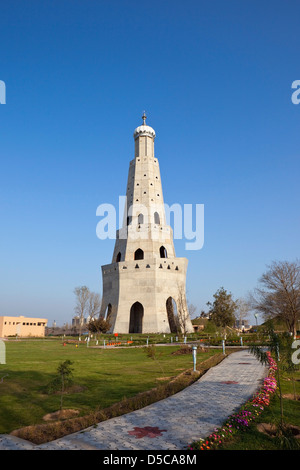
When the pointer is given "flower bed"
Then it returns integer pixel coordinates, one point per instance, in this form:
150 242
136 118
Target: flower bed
240 421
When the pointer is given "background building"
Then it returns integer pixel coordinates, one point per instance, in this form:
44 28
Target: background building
77 321
22 326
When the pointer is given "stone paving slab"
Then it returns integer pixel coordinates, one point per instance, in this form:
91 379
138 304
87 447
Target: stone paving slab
172 423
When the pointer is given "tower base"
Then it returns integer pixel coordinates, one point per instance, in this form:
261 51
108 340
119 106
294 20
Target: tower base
141 296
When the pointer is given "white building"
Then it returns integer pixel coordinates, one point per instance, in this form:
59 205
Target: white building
144 286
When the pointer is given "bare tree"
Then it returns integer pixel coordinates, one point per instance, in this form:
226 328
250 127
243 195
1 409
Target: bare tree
192 310
93 308
82 298
279 294
183 316
242 310
94 305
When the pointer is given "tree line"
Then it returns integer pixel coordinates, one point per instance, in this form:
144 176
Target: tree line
276 297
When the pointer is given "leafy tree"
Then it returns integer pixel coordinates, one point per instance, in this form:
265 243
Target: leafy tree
62 380
151 352
98 325
223 308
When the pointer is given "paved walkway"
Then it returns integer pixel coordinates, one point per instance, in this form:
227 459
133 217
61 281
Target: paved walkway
172 423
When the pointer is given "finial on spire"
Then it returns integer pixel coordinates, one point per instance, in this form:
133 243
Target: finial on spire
144 117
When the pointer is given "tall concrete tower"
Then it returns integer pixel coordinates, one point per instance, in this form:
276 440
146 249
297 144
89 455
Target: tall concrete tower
144 286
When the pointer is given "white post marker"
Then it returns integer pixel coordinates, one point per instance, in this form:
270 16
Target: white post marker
2 352
194 356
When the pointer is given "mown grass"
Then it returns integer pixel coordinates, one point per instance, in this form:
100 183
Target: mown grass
102 377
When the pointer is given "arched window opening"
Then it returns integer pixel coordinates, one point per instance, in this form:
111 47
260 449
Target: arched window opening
139 254
156 218
136 318
140 219
163 252
118 258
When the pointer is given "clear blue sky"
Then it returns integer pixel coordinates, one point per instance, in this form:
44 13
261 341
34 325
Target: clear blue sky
215 79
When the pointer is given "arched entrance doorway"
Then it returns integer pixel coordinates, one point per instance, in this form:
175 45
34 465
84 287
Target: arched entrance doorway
108 312
172 315
136 318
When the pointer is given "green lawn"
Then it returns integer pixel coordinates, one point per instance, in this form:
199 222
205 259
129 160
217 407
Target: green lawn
102 377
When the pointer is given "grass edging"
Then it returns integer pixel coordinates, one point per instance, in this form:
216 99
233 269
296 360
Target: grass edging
47 432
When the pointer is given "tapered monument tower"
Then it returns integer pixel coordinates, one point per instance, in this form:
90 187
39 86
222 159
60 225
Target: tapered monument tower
144 286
